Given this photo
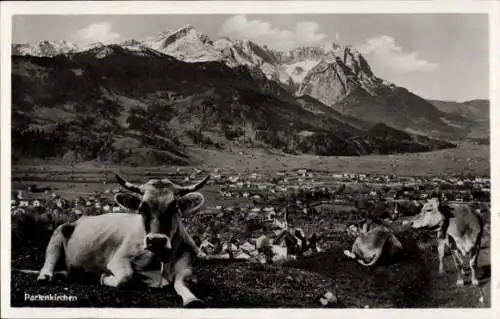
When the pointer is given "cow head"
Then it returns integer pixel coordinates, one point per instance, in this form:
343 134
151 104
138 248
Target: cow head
353 229
158 201
430 215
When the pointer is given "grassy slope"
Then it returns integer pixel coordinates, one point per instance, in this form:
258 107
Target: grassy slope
477 110
404 110
467 159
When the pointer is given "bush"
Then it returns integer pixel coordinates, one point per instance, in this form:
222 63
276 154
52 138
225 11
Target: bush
198 138
34 226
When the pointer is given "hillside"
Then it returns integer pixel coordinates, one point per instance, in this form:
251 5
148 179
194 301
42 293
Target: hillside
402 109
476 110
139 106
337 76
473 109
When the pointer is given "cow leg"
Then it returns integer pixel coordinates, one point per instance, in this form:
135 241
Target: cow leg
183 270
353 252
349 254
190 242
473 265
459 265
52 254
121 272
441 247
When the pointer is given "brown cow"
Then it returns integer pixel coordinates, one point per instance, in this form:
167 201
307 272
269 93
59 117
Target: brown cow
374 239
458 228
119 245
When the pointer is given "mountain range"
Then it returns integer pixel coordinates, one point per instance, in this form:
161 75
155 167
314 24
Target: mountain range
161 94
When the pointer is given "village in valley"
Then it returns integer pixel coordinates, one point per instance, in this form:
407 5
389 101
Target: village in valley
242 210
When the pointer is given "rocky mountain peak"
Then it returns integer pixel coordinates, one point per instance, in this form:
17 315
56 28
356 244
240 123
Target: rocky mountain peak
329 81
131 42
355 60
185 43
299 54
44 48
287 67
93 45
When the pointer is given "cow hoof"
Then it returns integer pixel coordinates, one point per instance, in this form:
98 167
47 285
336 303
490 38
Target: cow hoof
460 282
475 282
196 303
102 280
349 254
45 277
201 255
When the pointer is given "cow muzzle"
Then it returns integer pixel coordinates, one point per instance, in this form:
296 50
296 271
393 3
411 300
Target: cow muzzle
157 242
417 224
411 224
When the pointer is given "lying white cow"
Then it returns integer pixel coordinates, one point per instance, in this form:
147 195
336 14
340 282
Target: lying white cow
373 240
458 228
119 245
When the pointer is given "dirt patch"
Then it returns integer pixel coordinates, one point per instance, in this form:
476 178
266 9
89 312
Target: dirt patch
249 285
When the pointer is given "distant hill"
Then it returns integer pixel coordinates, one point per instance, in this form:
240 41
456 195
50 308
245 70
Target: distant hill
473 109
476 110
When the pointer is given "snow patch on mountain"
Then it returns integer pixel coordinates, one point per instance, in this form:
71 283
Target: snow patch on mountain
299 70
327 72
108 50
44 48
185 44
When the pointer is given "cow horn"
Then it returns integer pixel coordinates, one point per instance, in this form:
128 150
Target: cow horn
130 186
195 197
191 188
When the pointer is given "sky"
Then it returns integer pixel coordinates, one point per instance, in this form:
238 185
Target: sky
437 56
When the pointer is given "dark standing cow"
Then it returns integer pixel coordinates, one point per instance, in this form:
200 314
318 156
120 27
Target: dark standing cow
458 228
118 245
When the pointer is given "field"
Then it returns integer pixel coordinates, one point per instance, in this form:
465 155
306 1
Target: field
316 199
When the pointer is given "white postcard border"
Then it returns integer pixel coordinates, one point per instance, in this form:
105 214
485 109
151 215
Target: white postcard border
246 7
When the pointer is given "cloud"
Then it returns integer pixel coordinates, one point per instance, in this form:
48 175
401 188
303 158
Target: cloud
99 32
304 33
383 52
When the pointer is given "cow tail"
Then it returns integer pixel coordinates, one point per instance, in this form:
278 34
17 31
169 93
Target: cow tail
36 272
26 271
481 231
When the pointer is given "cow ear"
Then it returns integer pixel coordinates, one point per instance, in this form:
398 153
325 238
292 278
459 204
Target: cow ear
190 203
436 203
128 201
446 210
